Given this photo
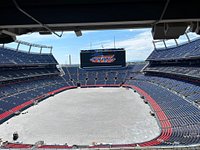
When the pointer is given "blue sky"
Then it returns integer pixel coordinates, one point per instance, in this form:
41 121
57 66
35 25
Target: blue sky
137 43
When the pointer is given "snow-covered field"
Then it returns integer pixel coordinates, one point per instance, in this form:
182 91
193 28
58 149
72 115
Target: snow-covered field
83 116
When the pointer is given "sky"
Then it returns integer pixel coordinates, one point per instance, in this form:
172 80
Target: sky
136 42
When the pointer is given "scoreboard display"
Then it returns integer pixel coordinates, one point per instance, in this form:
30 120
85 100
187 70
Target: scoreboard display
103 58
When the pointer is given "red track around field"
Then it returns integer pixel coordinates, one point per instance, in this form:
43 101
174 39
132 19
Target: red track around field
166 128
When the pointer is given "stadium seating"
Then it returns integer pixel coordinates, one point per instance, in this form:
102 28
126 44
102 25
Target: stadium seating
187 90
26 78
181 61
175 101
172 80
188 50
76 75
182 114
13 95
13 74
176 70
13 57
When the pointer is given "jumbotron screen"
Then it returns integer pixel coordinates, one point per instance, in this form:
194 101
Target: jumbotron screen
103 58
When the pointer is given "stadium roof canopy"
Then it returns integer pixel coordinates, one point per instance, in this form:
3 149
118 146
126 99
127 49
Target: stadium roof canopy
47 16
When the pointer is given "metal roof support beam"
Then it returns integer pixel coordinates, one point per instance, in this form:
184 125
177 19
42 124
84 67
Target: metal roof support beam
187 37
154 45
176 42
17 49
29 51
34 19
41 50
164 10
165 44
51 49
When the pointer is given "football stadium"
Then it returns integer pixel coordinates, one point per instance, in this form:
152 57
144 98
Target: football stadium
105 101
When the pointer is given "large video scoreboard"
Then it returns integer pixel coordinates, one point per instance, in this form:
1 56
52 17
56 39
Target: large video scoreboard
103 58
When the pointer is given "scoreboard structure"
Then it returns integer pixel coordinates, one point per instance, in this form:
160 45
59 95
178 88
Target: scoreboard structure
99 58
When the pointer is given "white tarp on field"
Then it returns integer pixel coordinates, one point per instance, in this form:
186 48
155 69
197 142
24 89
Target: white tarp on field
83 116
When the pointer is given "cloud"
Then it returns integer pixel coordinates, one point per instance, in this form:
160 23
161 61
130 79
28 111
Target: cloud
140 46
36 37
139 42
137 48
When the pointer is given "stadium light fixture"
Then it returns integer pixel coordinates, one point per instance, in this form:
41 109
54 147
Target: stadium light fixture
78 32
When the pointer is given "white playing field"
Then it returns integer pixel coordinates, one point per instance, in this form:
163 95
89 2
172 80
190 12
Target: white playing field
83 116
